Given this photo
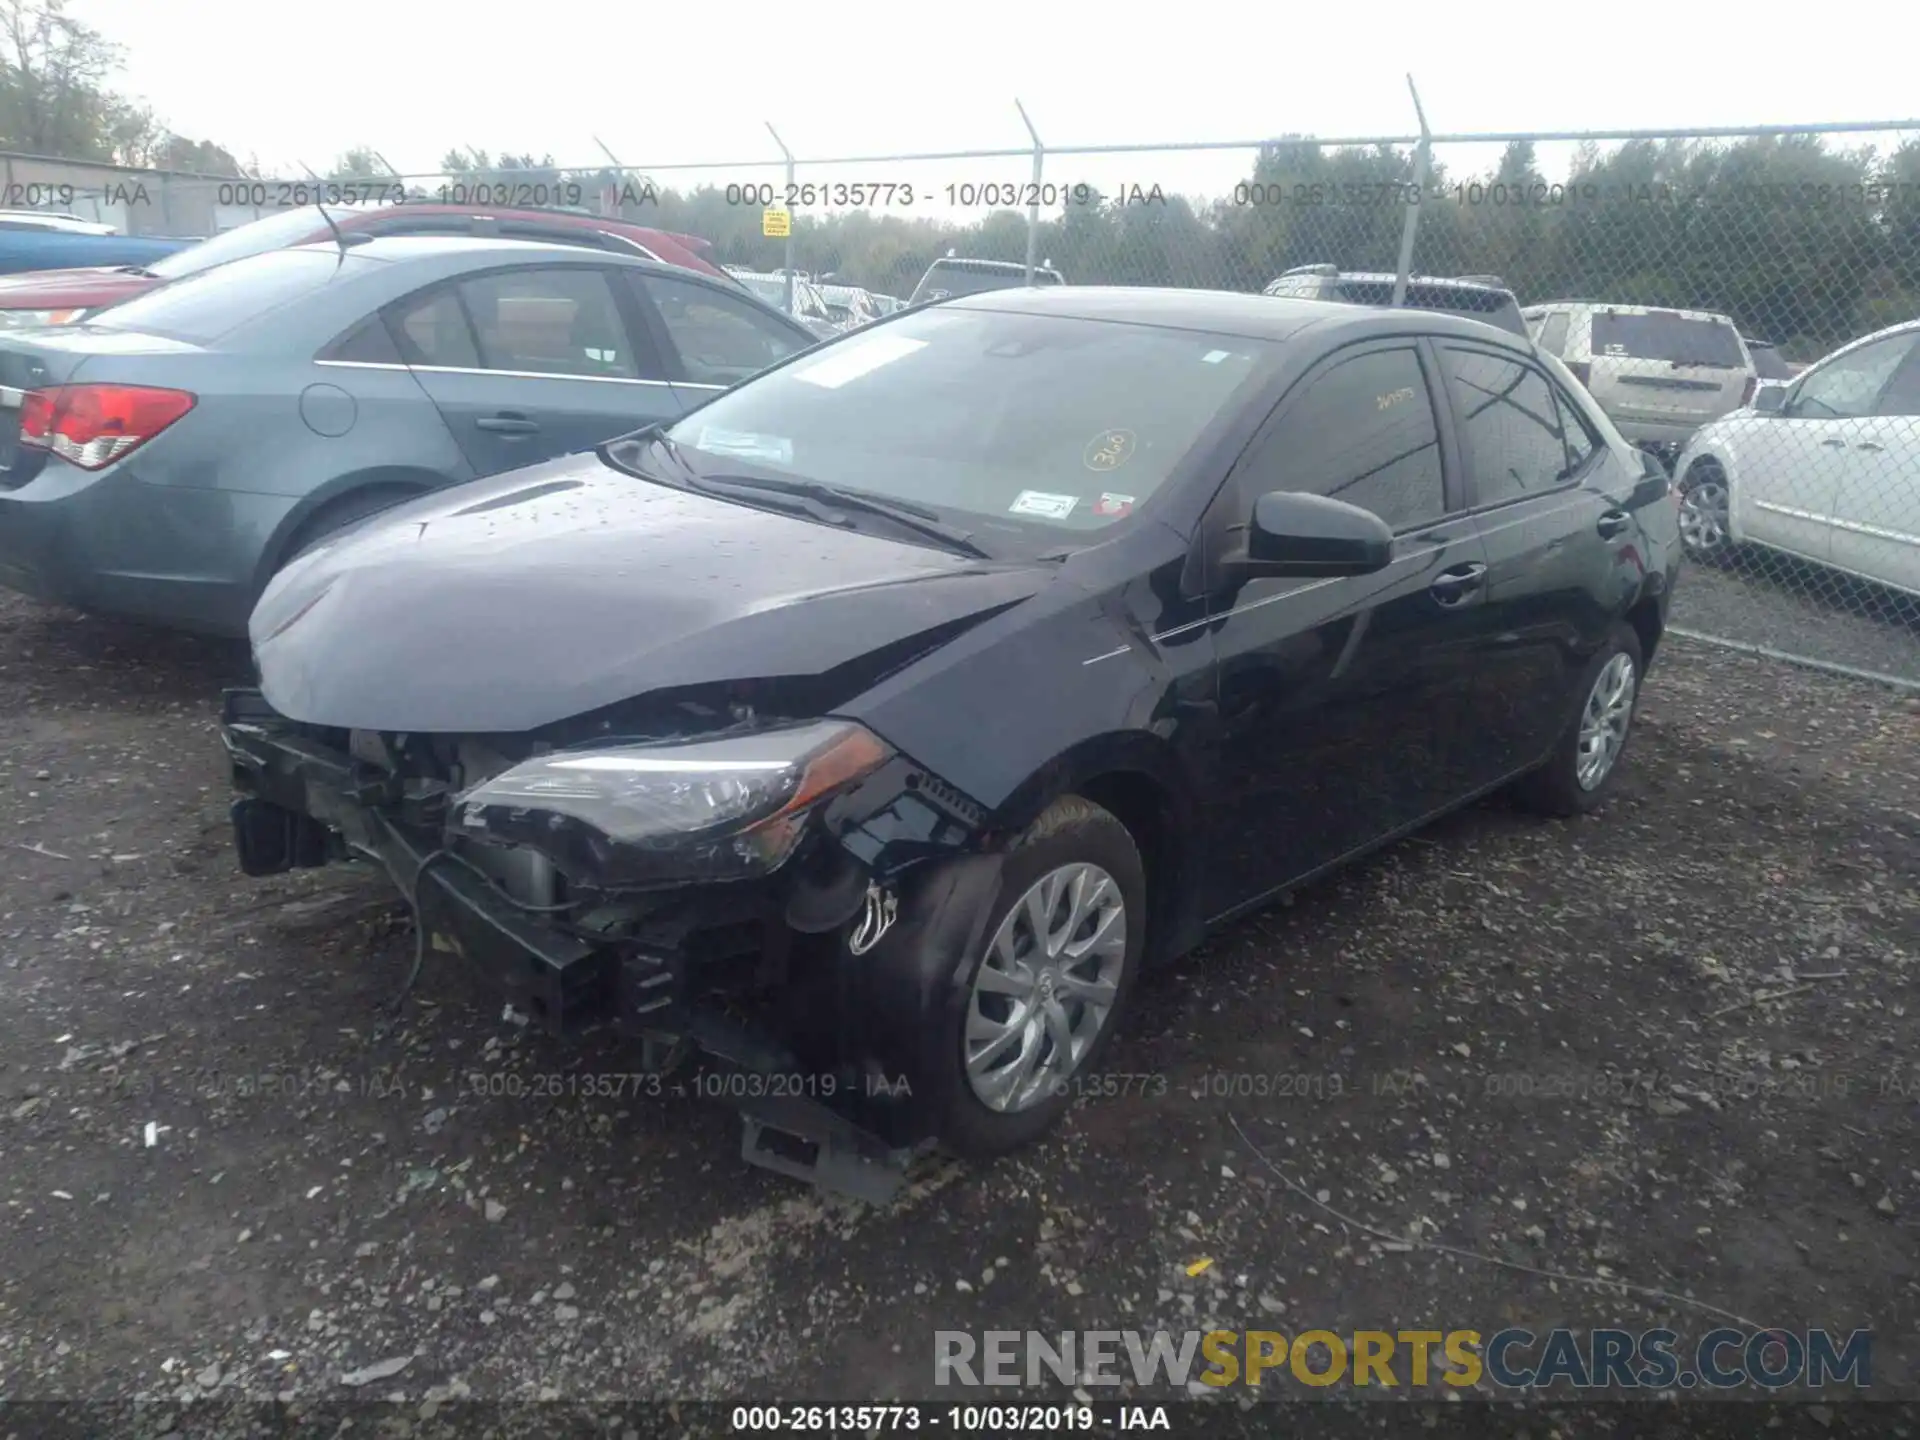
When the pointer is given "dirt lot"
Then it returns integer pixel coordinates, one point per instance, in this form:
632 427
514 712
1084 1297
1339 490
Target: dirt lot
1551 1044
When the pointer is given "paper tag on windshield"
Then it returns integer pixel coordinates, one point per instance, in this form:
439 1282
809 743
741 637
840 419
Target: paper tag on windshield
745 445
851 359
1039 502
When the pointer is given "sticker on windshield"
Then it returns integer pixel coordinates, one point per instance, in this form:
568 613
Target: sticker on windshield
854 358
1113 506
744 445
1039 502
1109 450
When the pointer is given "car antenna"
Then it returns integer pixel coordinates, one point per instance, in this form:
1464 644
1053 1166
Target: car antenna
338 235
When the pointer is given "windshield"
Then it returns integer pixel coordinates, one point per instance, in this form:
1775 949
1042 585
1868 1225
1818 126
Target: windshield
1028 422
1665 335
289 227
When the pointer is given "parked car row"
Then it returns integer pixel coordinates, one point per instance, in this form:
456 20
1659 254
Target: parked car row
56 296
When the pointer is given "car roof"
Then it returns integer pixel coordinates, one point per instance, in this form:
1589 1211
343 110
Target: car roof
395 249
1227 312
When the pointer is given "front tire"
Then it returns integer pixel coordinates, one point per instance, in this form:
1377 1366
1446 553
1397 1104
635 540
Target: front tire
1586 757
1706 506
1042 998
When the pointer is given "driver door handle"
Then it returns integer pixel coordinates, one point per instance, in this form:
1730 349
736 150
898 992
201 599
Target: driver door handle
1869 445
1834 444
1450 587
1612 522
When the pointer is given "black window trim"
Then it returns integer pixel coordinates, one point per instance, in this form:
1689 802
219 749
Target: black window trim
1570 480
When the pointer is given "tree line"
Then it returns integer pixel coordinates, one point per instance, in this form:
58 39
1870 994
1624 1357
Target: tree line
1803 241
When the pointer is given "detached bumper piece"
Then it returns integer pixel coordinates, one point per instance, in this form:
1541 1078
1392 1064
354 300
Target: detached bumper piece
304 801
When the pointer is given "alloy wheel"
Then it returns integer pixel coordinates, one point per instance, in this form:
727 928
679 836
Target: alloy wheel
1704 524
1604 721
1044 991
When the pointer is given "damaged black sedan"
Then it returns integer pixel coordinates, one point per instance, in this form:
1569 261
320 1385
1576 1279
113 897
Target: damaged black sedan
867 731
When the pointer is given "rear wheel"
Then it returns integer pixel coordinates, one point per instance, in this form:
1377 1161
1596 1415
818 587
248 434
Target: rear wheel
1706 499
1574 779
1043 997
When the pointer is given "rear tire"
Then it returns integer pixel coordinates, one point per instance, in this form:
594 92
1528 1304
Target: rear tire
1587 755
1072 880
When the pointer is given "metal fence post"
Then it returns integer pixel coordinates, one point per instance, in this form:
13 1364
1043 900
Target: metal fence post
1033 210
1422 159
788 267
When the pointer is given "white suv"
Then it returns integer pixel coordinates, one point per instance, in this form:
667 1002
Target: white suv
1659 374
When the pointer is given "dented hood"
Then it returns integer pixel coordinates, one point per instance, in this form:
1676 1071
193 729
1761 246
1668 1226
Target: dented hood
508 604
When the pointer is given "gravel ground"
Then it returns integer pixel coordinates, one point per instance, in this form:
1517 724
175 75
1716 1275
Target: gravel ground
1772 601
1553 1044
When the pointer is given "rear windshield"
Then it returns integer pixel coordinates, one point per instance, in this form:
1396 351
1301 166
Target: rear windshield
945 278
206 306
285 227
1663 335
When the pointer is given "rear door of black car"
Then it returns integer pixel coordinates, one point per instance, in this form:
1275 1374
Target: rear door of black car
1342 701
1553 509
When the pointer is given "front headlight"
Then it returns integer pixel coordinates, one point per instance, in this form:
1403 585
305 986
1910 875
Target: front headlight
28 319
634 815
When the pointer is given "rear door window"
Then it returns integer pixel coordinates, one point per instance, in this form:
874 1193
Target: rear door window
550 322
1666 335
1510 425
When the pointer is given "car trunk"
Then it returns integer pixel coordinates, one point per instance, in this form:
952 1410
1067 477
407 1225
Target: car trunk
1664 367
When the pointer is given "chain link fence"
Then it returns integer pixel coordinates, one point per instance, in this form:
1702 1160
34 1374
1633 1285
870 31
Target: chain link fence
1746 304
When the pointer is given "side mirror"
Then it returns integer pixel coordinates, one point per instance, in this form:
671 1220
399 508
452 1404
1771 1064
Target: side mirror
1770 398
1311 535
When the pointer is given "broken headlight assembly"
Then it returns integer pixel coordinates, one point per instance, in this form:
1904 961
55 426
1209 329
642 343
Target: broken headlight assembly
666 814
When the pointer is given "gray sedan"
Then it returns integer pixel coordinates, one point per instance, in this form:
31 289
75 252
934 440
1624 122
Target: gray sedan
164 459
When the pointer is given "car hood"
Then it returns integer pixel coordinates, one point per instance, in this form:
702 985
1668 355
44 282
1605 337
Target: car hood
68 289
508 604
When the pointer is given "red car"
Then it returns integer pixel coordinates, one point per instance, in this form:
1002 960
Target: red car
52 297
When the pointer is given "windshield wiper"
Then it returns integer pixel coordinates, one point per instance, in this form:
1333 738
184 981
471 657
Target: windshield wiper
906 515
903 513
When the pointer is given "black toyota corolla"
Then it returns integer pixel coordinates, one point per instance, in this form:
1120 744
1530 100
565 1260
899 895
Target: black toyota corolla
868 730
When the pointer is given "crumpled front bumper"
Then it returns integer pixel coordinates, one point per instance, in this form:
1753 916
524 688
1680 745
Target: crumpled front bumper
294 789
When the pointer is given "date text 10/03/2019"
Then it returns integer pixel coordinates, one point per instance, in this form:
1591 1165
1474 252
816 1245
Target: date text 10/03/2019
910 1416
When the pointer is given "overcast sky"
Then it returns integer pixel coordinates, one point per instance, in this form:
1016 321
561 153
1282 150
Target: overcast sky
676 83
